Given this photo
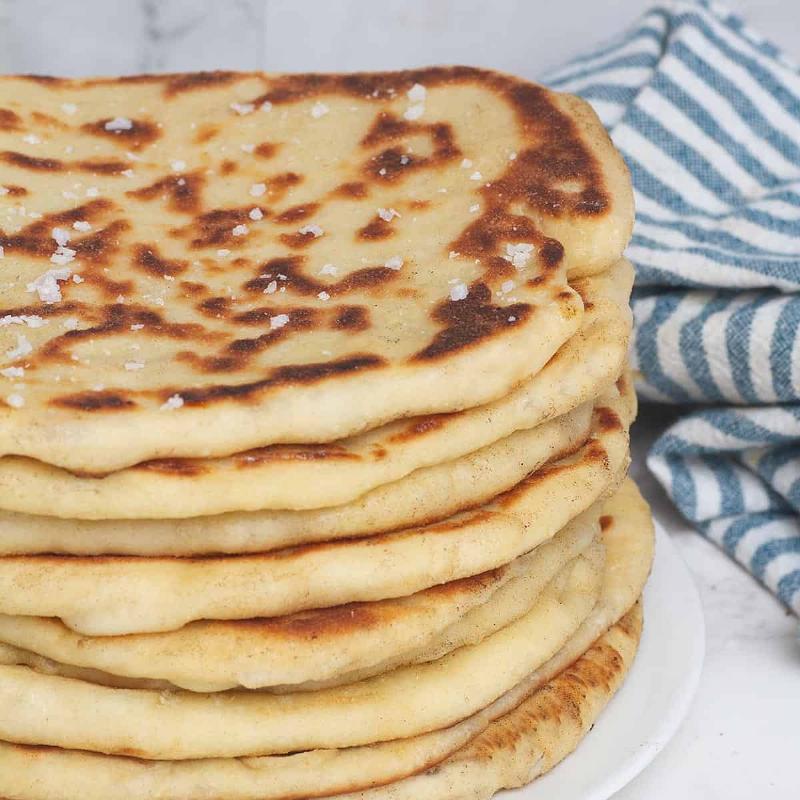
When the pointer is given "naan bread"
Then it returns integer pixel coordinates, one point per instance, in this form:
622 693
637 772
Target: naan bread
41 773
41 709
35 773
313 648
316 476
121 594
533 738
223 261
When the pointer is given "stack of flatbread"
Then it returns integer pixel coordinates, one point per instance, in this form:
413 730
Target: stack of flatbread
314 435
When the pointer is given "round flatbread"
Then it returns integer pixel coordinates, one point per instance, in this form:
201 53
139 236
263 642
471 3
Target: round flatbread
119 595
324 646
316 476
233 280
34 773
42 709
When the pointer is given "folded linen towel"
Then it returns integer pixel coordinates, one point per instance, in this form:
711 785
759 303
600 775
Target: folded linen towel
707 115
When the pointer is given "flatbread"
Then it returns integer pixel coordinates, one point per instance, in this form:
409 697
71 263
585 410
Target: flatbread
208 218
41 709
533 738
123 594
36 773
322 646
315 476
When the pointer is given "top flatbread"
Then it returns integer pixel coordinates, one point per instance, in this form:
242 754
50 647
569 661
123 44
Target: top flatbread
207 263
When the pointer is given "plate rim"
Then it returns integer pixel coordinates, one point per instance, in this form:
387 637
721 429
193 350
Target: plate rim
669 563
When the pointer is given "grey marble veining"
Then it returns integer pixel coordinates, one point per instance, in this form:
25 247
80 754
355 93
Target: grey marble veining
82 37
85 37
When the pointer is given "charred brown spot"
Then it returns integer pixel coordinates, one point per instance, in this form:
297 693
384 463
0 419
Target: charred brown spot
148 258
471 320
287 272
354 190
15 191
36 239
394 161
9 120
216 227
352 318
299 317
30 162
102 167
606 521
607 420
216 306
206 133
279 185
181 193
297 213
421 427
266 149
45 80
419 205
228 167
551 252
377 228
294 452
192 288
180 467
319 622
191 81
280 376
95 401
137 135
298 239
486 236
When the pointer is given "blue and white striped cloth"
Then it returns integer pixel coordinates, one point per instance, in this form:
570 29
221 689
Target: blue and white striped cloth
707 115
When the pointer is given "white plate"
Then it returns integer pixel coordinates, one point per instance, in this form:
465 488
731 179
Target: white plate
653 701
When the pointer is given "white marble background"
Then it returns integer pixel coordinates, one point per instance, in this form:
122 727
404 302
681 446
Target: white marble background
742 738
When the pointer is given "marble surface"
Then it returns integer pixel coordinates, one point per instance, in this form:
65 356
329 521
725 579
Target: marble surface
741 740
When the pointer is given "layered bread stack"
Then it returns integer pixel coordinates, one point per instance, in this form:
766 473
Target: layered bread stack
314 435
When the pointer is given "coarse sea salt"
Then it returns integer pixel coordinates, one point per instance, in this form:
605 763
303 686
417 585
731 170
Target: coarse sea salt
459 292
314 230
22 348
172 403
395 263
46 285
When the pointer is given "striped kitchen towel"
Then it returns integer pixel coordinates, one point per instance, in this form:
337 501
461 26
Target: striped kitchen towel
707 115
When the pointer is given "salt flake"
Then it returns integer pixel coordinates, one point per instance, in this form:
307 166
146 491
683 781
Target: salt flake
459 292
46 285
395 263
176 401
118 124
314 230
23 348
387 214
243 108
278 321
